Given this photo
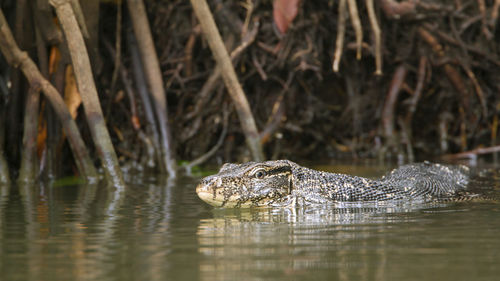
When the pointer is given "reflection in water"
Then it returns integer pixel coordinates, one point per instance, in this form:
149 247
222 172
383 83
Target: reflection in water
68 235
348 244
292 242
4 196
153 231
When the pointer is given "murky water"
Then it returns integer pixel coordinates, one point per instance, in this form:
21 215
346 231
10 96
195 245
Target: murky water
154 231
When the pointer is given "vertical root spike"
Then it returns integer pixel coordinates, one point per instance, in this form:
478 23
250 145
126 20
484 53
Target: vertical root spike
339 44
356 23
377 35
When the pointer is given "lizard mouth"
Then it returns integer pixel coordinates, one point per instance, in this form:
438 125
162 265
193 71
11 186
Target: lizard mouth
209 196
216 198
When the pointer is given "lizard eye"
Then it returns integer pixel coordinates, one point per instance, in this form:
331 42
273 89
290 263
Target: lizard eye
260 174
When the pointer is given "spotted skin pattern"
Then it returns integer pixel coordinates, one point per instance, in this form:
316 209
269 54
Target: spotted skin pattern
285 183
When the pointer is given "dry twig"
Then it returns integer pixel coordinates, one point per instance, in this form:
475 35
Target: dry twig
390 103
212 80
356 23
471 154
484 21
494 13
214 149
377 34
118 48
219 51
418 90
339 43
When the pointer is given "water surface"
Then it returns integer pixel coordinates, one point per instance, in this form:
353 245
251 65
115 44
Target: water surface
156 231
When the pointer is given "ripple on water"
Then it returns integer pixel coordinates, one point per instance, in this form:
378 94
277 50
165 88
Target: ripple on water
156 231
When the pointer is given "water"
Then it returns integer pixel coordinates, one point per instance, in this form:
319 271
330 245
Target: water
153 231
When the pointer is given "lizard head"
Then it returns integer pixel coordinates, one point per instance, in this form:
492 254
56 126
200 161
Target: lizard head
252 184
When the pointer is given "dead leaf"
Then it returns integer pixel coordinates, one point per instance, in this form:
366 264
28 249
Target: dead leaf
41 138
284 12
54 58
119 96
135 122
118 133
72 97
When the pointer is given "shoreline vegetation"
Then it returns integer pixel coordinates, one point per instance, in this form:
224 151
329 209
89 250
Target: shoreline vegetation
88 86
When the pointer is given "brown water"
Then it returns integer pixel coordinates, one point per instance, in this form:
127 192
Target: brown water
157 231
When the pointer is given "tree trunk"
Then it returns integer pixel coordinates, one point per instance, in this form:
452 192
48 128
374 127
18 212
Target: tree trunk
28 170
152 69
18 58
88 91
234 88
